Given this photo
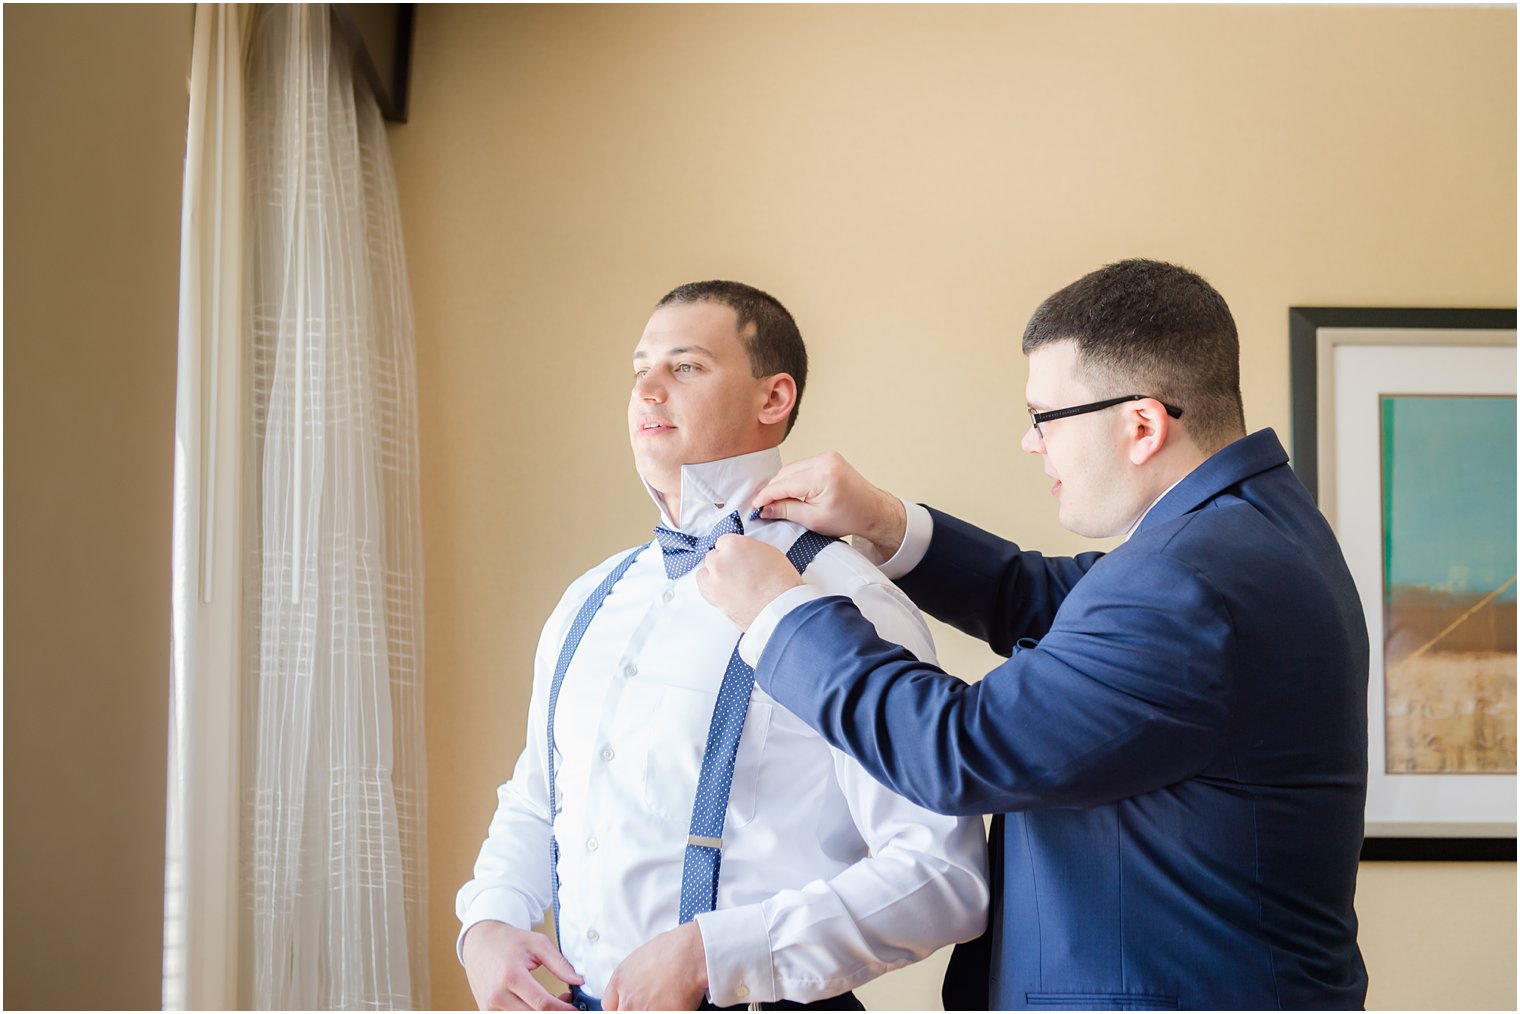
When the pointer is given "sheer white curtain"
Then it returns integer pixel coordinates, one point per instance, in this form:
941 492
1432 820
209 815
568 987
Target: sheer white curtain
333 731
324 713
201 869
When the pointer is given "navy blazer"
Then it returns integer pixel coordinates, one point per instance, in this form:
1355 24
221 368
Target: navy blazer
1176 746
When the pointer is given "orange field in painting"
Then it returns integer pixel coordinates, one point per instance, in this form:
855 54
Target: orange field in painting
1449 690
1452 712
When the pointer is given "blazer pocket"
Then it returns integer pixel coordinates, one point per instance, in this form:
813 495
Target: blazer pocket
1100 1001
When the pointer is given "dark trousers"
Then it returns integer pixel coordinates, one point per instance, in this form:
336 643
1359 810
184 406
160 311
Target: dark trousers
844 1001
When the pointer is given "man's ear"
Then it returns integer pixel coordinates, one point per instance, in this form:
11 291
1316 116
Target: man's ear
780 398
1147 429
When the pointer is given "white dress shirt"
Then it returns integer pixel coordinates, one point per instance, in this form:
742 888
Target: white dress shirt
827 880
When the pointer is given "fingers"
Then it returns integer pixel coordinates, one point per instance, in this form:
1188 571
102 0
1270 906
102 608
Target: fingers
499 960
523 992
823 493
550 957
530 996
788 510
801 481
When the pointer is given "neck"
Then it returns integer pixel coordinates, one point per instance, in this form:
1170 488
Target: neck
699 494
1168 468
670 502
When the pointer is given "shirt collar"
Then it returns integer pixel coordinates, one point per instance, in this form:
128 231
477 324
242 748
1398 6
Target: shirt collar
1228 467
713 489
1148 509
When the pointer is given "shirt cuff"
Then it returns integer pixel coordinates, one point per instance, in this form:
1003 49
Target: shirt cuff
738 947
496 906
752 644
915 543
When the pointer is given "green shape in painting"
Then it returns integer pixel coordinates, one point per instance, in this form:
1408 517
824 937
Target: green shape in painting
1449 493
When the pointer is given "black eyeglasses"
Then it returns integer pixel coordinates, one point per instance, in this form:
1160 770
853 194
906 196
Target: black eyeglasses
1035 418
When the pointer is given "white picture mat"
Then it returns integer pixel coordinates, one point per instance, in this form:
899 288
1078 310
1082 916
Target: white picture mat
1426 805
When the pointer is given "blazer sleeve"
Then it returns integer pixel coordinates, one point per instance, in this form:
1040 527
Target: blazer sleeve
1128 692
988 587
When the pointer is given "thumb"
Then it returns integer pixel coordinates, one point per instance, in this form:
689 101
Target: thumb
555 962
789 509
774 509
799 487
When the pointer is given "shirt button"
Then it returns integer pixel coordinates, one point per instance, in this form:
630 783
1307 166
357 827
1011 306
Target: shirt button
591 845
630 670
593 935
670 594
741 991
607 754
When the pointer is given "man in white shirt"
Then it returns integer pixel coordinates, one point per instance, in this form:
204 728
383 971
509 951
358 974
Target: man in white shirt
826 878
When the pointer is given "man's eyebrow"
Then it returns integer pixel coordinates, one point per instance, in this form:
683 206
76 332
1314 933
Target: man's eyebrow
679 350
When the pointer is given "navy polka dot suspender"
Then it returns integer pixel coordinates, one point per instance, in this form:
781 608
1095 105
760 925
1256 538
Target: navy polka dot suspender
704 842
566 653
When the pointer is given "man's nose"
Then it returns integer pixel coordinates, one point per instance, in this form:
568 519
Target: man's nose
647 389
1033 442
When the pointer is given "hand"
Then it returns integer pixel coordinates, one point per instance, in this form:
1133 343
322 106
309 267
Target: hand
499 962
741 576
667 973
826 494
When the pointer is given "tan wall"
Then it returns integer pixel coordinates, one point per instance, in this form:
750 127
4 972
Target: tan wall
910 181
95 109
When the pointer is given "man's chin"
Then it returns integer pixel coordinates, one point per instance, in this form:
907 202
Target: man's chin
658 475
1087 528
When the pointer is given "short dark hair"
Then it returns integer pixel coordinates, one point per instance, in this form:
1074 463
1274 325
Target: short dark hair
775 345
1159 329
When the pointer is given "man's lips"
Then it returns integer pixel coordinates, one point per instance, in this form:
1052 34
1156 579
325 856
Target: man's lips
651 426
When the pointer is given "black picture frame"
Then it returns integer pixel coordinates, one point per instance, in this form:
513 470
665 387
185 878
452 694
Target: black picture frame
380 36
1305 357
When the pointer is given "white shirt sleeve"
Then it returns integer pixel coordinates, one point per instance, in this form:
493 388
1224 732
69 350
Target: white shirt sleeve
511 880
920 529
922 886
915 543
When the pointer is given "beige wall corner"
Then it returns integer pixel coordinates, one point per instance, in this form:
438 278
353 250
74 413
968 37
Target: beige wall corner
95 113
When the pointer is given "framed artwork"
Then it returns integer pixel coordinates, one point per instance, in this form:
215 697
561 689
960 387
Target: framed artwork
1404 430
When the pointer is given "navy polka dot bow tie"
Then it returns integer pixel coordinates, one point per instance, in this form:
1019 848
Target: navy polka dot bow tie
684 553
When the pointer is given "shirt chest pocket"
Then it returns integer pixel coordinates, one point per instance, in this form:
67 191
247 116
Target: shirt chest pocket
671 733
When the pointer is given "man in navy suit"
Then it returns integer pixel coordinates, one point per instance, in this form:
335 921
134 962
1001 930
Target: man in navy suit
1176 746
